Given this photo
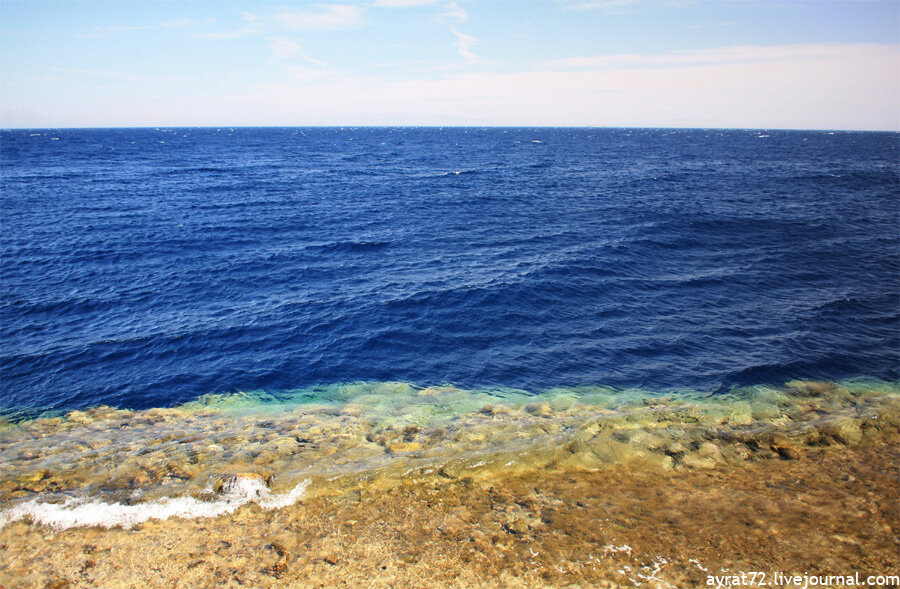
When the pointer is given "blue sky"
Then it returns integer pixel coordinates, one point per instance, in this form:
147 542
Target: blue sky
823 64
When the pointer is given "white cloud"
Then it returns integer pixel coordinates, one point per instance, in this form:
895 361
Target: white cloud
333 16
608 5
323 17
305 73
403 3
847 86
712 25
464 44
235 34
120 28
186 22
624 6
123 76
720 55
180 23
75 73
189 25
284 49
250 17
851 87
403 63
453 11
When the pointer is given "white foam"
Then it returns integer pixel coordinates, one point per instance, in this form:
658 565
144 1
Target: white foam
238 491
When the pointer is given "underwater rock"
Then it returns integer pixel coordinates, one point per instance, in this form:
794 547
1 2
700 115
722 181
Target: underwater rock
675 449
139 480
813 388
788 452
178 471
708 450
404 447
519 523
35 477
79 417
562 403
695 461
231 480
539 409
765 411
845 431
353 410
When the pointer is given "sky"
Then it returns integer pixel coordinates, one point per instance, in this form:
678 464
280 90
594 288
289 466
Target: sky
821 64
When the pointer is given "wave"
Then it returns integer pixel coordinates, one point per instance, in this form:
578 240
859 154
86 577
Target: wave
453 173
350 246
237 491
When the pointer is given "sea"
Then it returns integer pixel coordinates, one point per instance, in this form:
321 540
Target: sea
277 270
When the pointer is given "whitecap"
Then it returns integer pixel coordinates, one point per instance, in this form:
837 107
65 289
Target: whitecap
238 491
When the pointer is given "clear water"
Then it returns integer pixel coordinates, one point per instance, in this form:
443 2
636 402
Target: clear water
148 267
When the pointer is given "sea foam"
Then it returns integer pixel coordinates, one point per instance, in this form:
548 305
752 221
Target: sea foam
237 491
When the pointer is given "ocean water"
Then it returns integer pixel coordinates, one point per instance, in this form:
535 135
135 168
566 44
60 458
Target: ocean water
192 319
148 267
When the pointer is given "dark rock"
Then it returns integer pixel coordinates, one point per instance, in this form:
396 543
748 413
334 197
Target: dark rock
788 452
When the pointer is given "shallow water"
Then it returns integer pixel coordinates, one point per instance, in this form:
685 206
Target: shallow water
829 509
116 468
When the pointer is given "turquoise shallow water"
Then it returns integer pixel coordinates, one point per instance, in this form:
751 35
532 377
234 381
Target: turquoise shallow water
107 466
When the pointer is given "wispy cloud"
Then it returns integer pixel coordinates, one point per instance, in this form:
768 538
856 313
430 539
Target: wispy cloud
180 23
305 73
332 16
112 29
225 35
700 57
114 75
125 76
608 5
404 63
852 86
622 6
464 44
284 49
403 3
254 26
186 22
453 12
712 25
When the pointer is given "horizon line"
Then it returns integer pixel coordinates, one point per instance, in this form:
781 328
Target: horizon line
389 126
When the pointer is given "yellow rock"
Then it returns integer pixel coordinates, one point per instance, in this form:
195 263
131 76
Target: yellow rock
407 447
78 417
539 409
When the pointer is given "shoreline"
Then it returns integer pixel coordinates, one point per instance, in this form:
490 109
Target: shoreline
831 510
657 492
107 467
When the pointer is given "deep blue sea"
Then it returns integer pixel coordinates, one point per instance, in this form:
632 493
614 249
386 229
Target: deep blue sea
148 267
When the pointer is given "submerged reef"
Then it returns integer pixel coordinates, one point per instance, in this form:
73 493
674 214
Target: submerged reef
379 435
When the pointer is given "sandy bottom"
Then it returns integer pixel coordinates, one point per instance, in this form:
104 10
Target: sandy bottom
831 510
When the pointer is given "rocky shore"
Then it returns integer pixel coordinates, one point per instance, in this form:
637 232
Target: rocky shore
831 511
657 492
